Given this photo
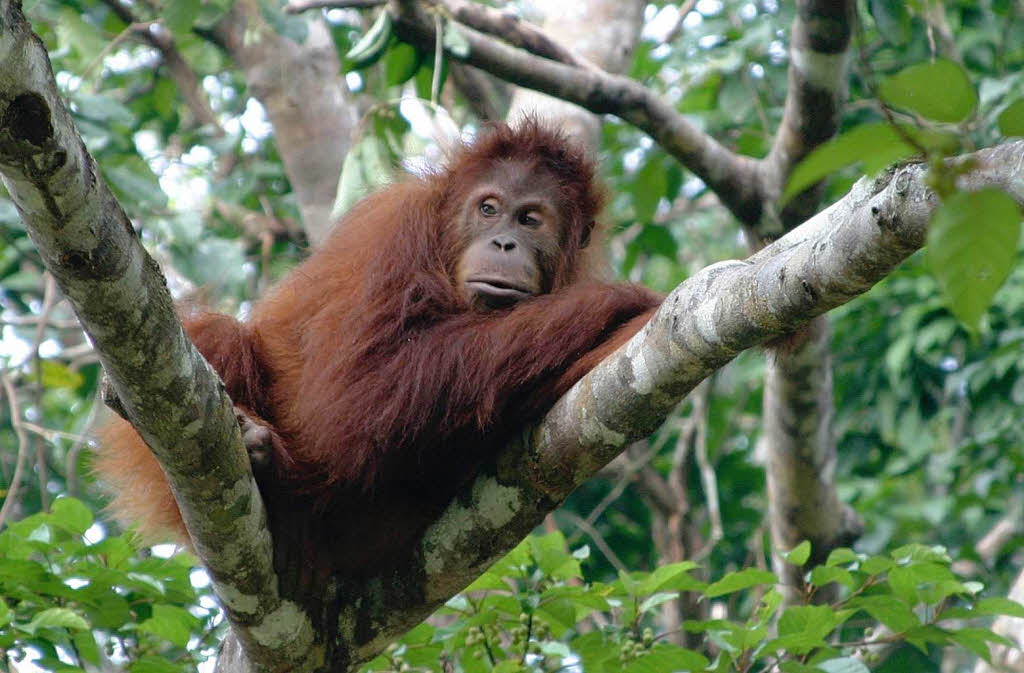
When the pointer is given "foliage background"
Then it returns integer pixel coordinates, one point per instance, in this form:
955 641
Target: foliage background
927 408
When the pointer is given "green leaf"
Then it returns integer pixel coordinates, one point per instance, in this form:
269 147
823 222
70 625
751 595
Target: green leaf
655 600
57 618
840 556
366 167
71 514
115 550
551 554
799 554
875 565
701 96
402 62
180 14
651 184
665 658
976 640
670 577
941 91
151 664
170 622
972 243
809 619
372 45
823 575
85 645
998 606
742 579
1011 119
889 610
892 19
57 375
880 143
488 581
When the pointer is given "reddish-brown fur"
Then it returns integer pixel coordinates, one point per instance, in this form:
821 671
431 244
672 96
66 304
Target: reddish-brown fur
385 388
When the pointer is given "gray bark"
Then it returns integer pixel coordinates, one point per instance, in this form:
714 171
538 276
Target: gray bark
121 299
798 436
601 32
306 100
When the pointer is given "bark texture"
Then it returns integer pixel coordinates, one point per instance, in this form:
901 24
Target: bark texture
121 299
306 100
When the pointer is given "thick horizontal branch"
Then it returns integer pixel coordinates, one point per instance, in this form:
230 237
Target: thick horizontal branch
732 177
171 395
731 306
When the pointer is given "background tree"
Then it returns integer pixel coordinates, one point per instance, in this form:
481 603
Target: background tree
176 102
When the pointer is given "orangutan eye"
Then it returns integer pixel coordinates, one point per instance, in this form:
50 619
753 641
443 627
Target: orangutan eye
488 209
528 220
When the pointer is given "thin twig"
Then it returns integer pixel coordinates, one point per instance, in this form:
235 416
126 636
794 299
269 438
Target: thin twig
15 411
140 27
677 28
81 441
597 539
35 319
708 480
49 433
298 6
624 480
435 80
49 301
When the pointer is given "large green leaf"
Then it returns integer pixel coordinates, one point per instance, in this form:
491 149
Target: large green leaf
171 623
1011 119
180 14
972 242
875 145
741 579
940 91
59 618
71 514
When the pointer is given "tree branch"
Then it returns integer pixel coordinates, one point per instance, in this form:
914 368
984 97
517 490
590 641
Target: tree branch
306 101
732 177
511 29
819 59
121 299
179 69
299 6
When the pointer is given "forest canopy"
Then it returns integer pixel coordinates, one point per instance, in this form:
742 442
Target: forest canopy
821 468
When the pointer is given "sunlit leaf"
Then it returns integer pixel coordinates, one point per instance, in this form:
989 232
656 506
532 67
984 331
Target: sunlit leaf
940 90
1011 119
972 243
742 579
170 622
71 514
799 554
180 14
